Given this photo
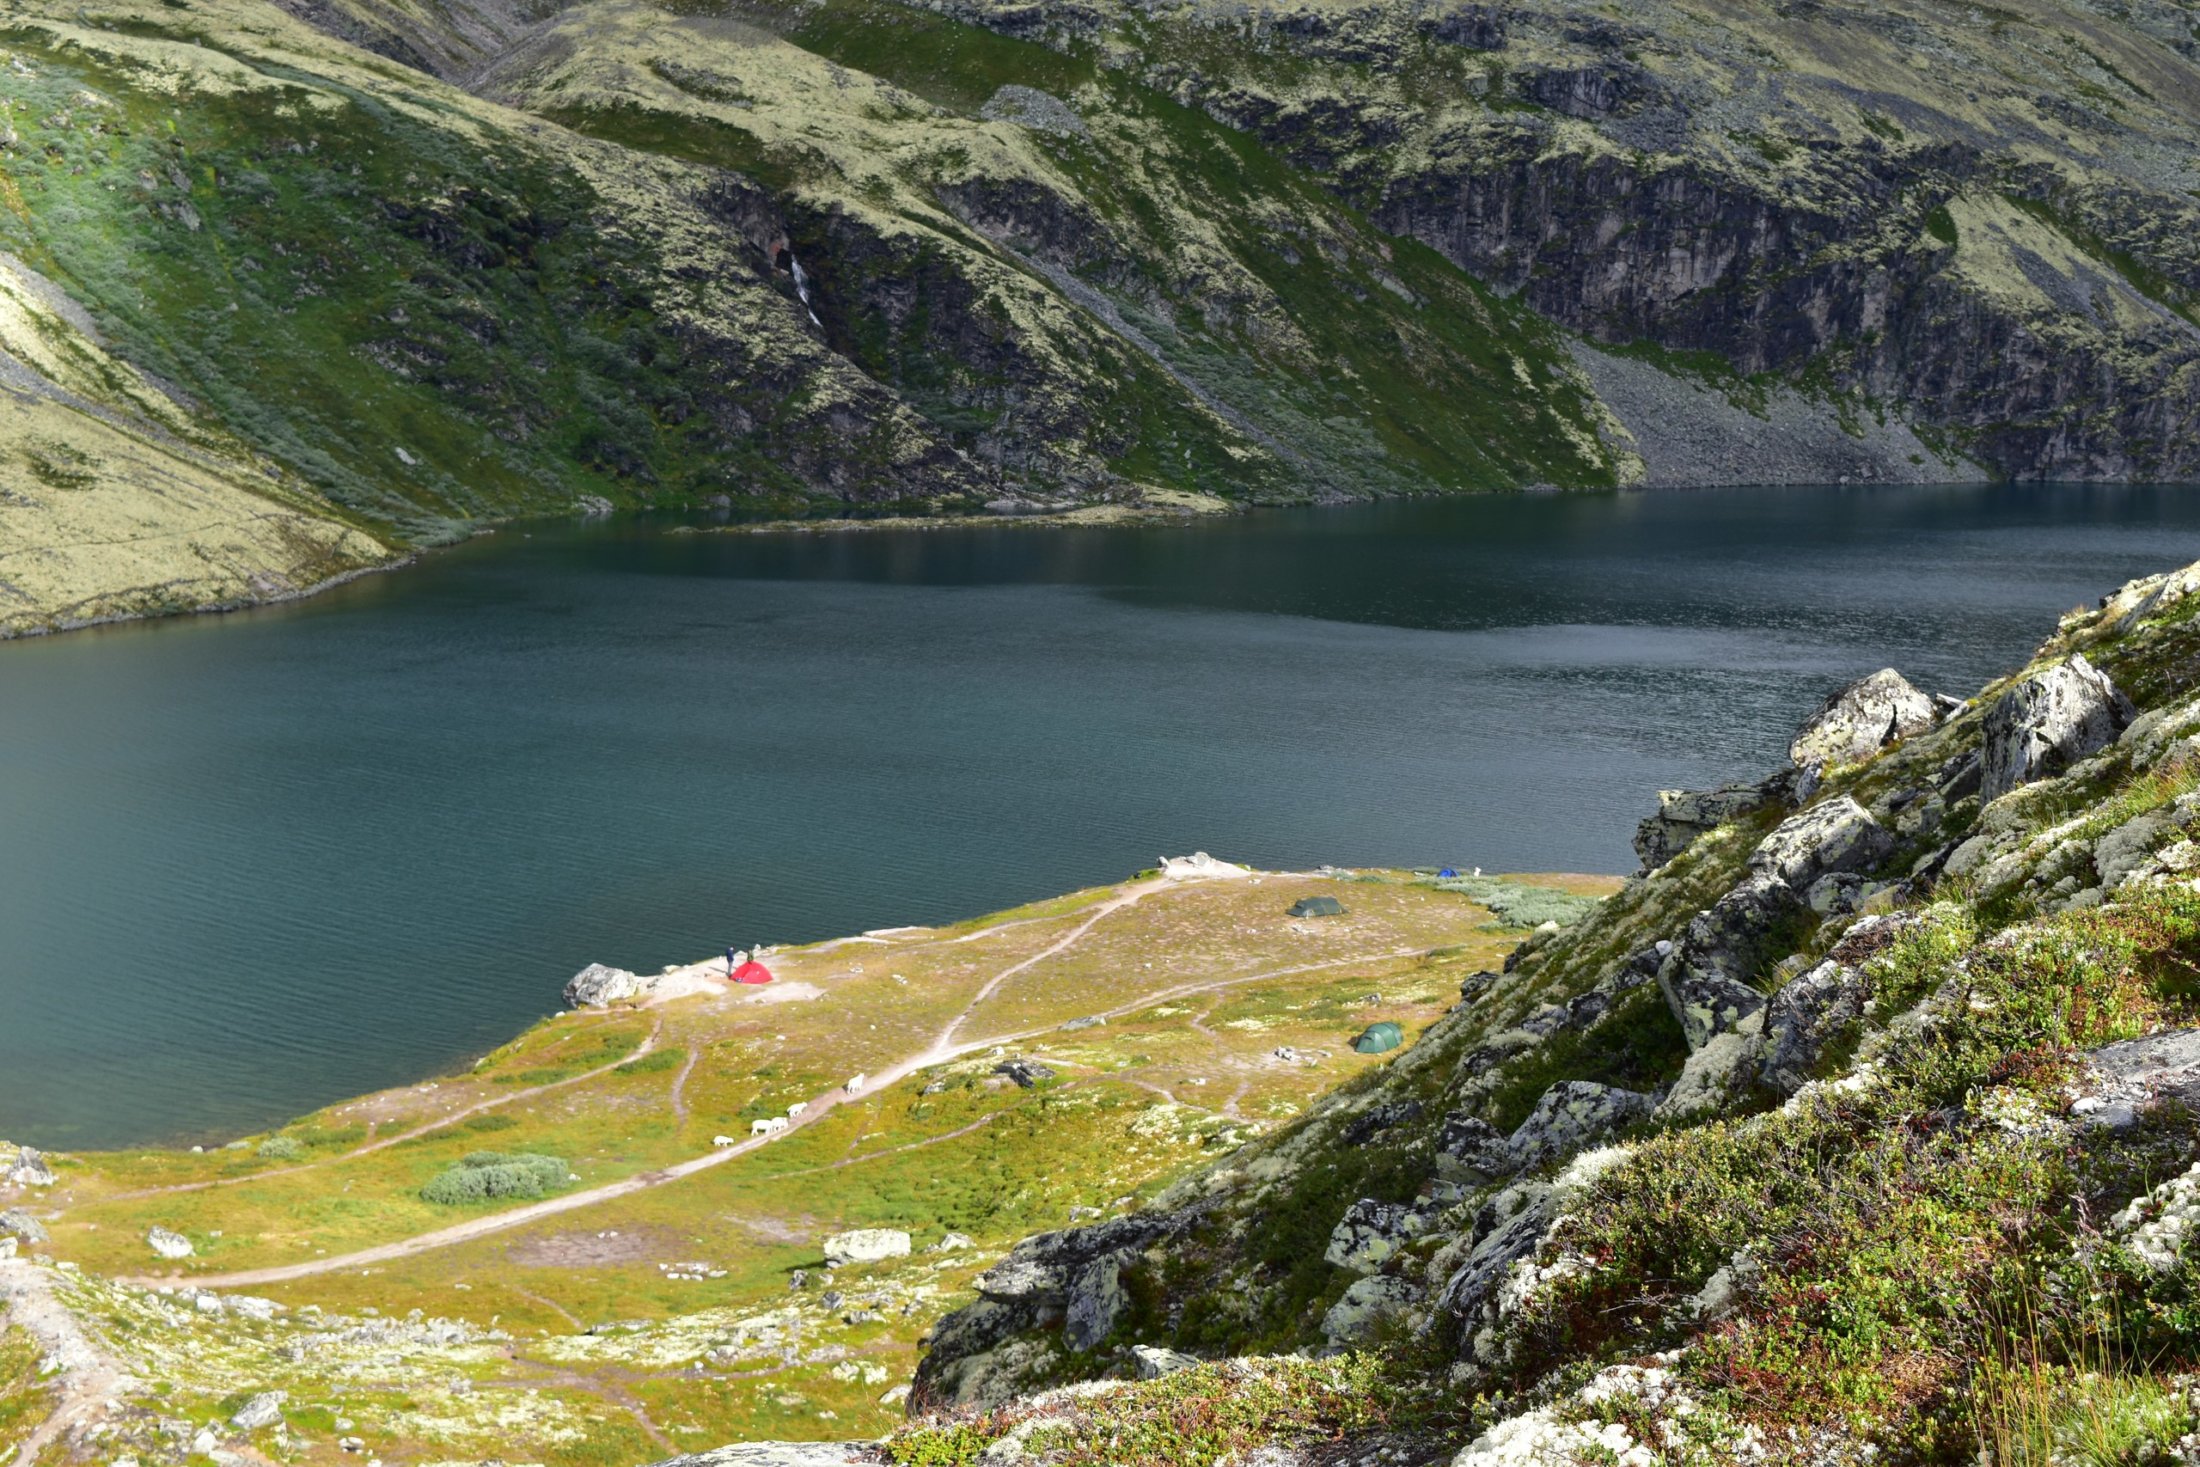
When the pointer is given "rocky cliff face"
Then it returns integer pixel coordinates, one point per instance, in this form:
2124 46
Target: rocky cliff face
436 265
1855 1129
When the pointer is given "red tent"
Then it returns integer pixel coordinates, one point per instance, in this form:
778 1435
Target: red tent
752 972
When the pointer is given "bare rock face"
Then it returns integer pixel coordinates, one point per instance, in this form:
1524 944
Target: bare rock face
1685 815
781 1454
599 985
1862 719
1573 1113
2047 723
1368 1234
1804 1019
1709 981
866 1245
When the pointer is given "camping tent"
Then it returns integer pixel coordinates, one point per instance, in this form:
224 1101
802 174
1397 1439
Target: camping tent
1317 906
1376 1038
752 972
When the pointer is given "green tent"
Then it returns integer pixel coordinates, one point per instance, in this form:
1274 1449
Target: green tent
1376 1038
1317 906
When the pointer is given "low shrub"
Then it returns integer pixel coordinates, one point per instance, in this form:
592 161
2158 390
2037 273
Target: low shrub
486 1176
282 1148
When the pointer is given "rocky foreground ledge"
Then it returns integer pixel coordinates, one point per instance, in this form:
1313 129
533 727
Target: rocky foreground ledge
1857 1128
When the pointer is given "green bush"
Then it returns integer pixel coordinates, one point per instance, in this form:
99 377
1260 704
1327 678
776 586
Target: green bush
1518 905
282 1148
486 1176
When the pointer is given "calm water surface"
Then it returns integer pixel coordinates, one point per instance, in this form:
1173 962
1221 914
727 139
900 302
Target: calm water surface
252 864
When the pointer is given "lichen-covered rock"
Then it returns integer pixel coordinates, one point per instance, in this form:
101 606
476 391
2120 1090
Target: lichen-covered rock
1835 835
1096 1302
30 1169
1470 1150
1709 980
264 1409
866 1245
599 985
1863 718
1365 1304
1368 1234
1151 1362
18 1223
1684 816
781 1454
168 1244
2047 723
1804 1019
1570 1115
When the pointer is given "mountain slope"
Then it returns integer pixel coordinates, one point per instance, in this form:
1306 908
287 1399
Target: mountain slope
1857 1129
444 264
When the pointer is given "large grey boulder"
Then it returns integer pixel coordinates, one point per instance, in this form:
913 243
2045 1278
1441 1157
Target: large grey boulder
1804 1019
1364 1305
1472 1152
1863 718
264 1409
782 1454
168 1244
1709 980
866 1245
1573 1113
2125 1079
1367 1234
1096 1302
20 1224
1684 816
31 1169
2048 722
599 985
1833 836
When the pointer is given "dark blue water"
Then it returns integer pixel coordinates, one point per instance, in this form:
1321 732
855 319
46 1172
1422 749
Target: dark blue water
251 864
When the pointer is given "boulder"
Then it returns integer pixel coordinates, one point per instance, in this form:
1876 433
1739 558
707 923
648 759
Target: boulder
9 1243
1472 1151
1364 1305
264 1409
1026 1073
1376 1119
1833 836
20 1224
1151 1362
168 1244
30 1169
2127 1078
2048 722
1862 719
1685 815
1571 1114
1096 1301
866 1245
1715 1075
1368 1234
781 1454
599 985
1707 980
1804 1019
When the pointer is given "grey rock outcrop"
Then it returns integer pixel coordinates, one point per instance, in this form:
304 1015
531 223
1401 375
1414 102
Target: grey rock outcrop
1368 1234
1709 979
2047 723
1572 1114
1096 1302
1685 816
782 1454
1863 718
866 1245
17 1223
1151 1362
2123 1080
31 1169
1026 1073
599 984
1473 1152
1804 1019
980 1351
1365 1304
264 1409
168 1244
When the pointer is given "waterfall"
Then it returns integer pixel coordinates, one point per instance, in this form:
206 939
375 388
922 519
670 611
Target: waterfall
802 287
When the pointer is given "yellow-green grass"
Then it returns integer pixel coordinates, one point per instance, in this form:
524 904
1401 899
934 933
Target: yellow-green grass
1200 983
